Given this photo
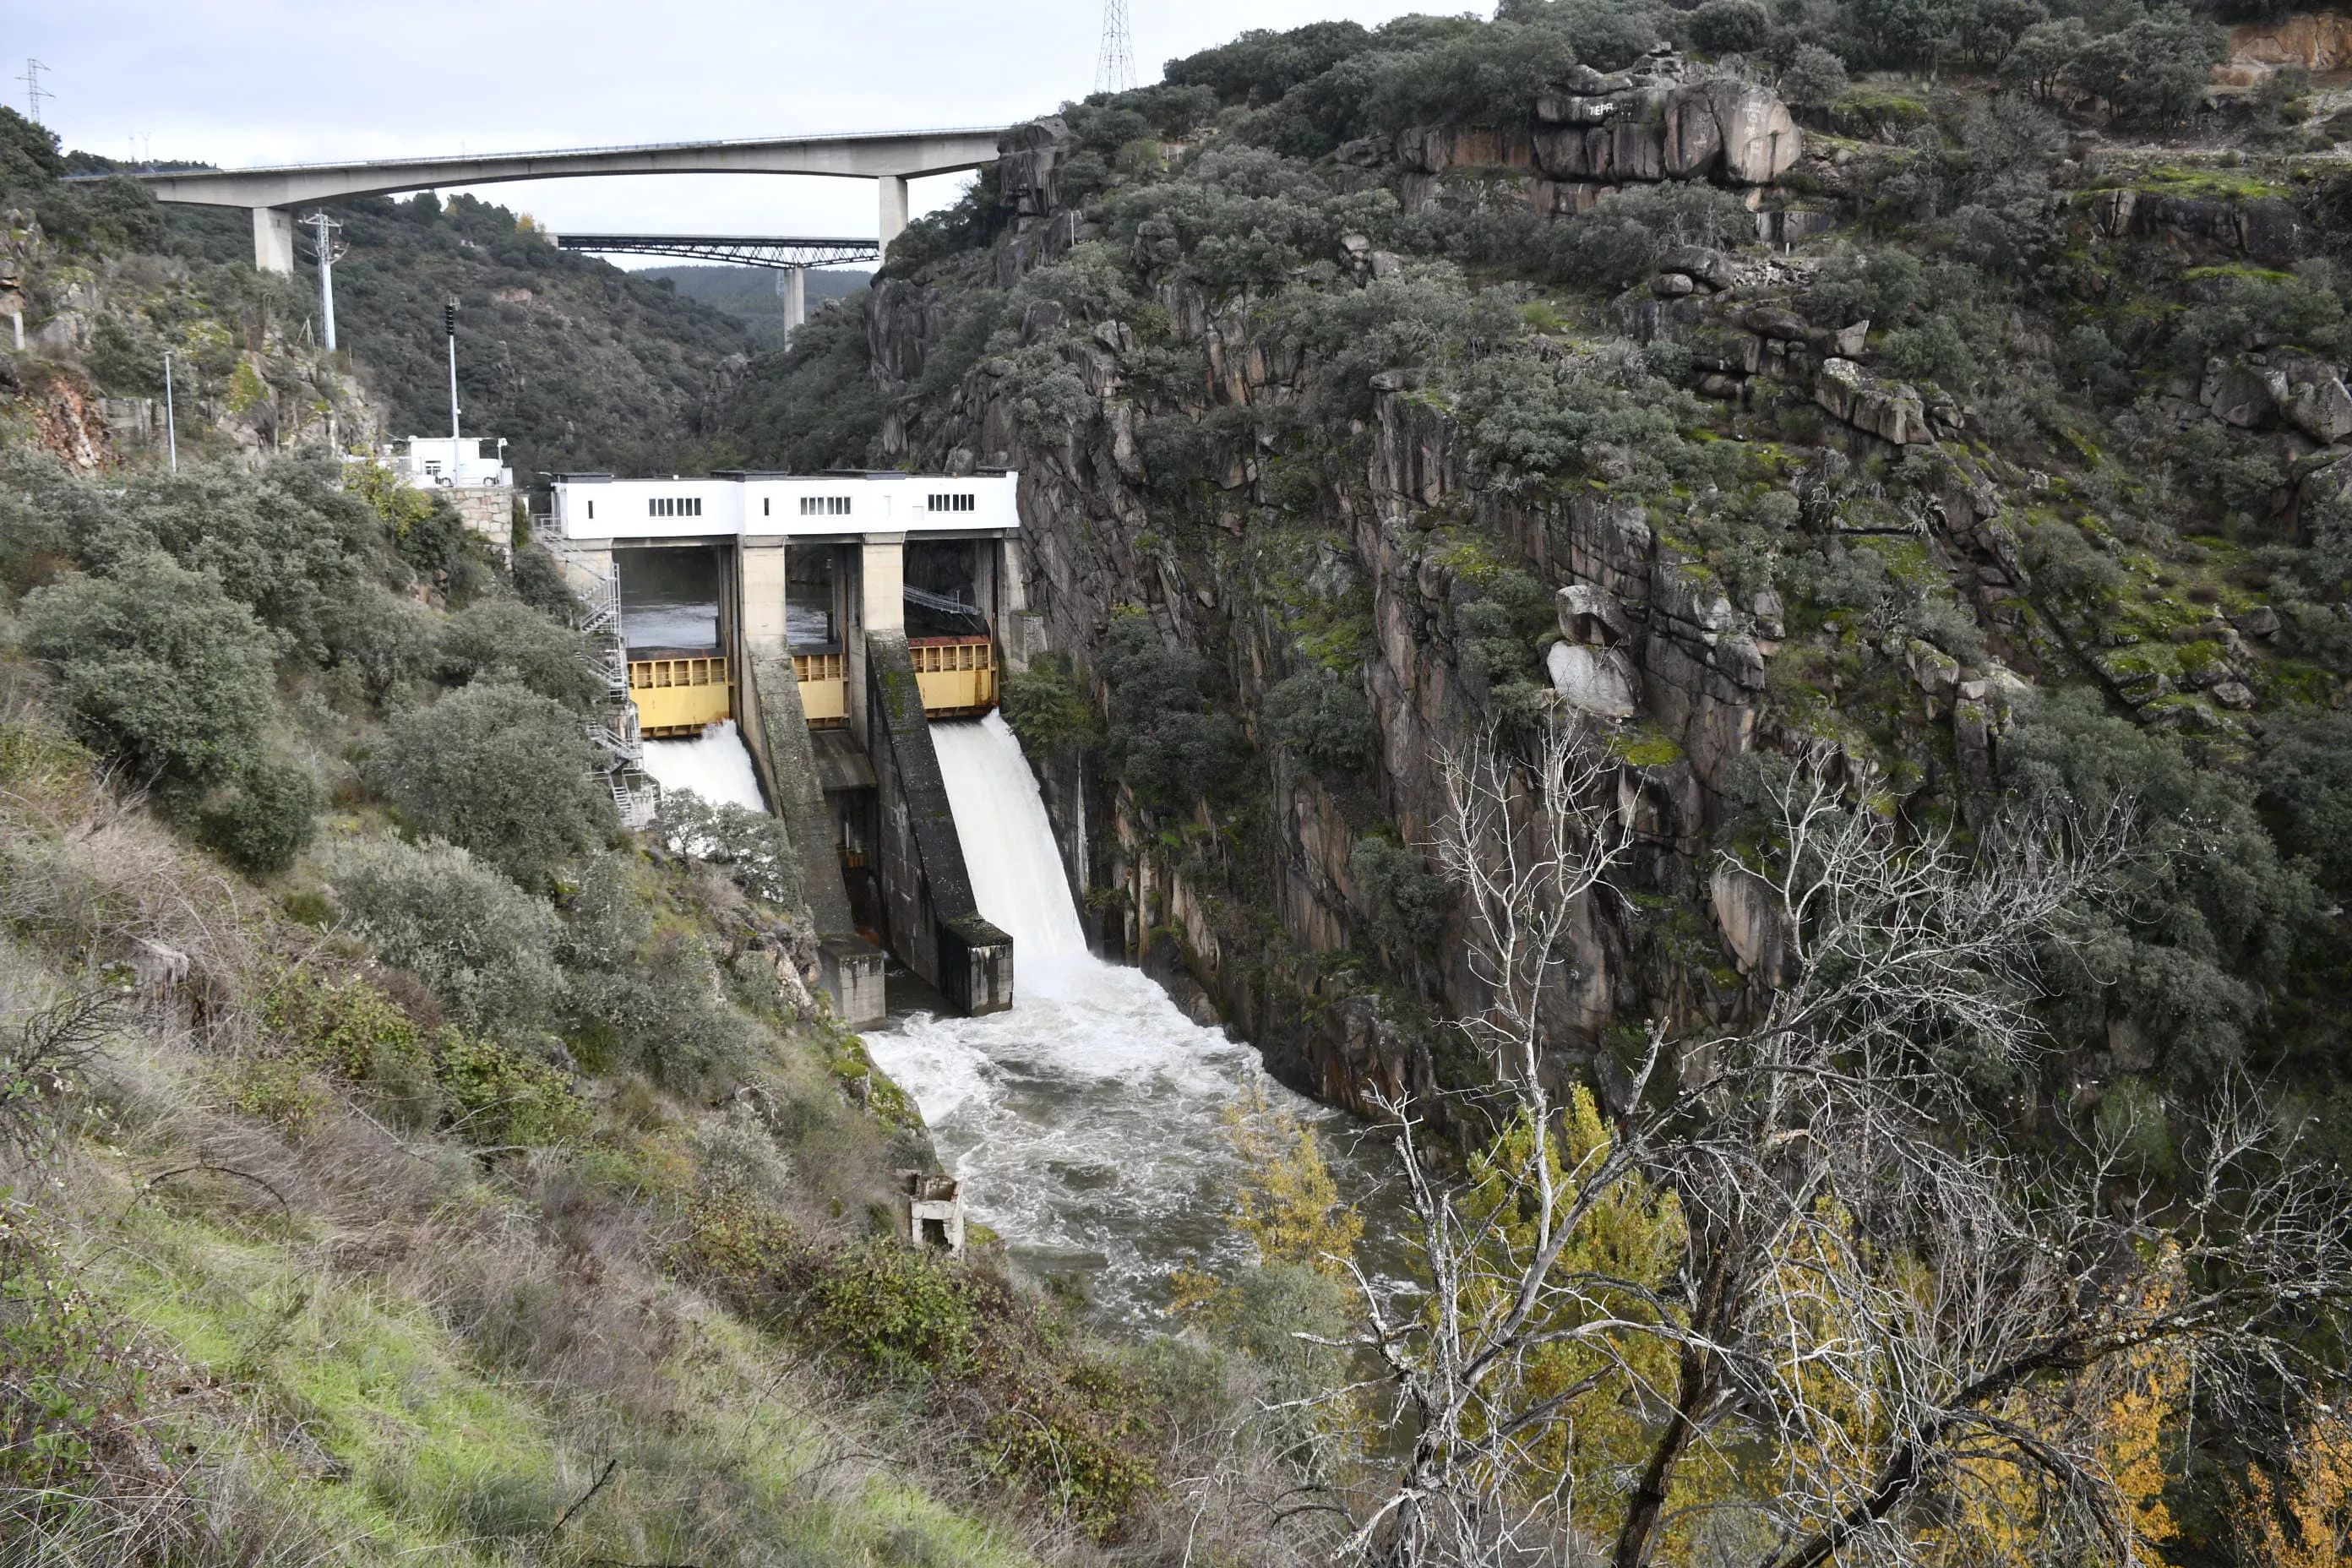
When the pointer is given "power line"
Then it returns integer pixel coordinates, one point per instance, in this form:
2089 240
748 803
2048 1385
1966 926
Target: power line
1115 66
33 93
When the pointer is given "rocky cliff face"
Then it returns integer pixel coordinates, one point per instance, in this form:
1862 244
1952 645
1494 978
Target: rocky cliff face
1647 644
1376 533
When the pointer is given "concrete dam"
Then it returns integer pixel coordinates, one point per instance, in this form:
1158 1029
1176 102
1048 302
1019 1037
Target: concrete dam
829 647
828 621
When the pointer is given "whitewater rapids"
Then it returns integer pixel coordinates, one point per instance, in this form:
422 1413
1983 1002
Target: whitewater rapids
1085 1122
713 764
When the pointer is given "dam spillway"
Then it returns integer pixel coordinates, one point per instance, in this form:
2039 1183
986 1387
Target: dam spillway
1085 1122
713 764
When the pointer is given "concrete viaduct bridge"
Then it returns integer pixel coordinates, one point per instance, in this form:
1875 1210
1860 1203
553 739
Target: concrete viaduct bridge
888 159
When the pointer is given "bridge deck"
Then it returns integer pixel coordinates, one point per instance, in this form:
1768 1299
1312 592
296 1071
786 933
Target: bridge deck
906 155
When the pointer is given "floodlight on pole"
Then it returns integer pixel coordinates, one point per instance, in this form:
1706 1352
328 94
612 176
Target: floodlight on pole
449 320
171 416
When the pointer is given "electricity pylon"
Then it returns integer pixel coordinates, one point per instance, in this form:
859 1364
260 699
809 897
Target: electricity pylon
1114 66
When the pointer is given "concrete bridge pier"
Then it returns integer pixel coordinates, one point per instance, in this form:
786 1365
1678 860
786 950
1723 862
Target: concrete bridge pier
273 240
791 285
894 208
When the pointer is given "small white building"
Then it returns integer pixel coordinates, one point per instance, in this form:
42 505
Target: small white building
431 462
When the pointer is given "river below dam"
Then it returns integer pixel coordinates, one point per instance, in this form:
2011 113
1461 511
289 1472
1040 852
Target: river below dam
1086 1123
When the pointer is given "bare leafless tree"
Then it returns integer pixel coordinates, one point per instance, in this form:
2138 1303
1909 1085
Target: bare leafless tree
1884 1331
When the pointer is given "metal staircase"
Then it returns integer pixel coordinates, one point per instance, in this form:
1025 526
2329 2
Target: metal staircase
620 747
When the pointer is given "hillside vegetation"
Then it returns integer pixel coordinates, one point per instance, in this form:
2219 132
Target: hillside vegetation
577 363
748 294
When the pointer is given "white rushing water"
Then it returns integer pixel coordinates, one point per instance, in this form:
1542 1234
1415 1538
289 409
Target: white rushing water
713 764
1085 1122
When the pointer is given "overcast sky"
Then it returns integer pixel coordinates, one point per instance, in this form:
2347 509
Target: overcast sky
238 82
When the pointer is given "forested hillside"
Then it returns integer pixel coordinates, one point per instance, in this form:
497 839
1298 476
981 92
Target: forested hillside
399 1161
576 363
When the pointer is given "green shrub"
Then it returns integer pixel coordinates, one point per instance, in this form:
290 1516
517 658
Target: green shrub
1543 421
2305 778
1816 77
506 640
539 582
288 542
1324 722
1048 707
498 771
385 638
751 846
71 1426
2068 565
1499 612
901 1311
2203 912
475 939
1171 747
1936 351
351 1029
1620 241
160 667
1731 27
1481 76
499 1096
1406 904
267 818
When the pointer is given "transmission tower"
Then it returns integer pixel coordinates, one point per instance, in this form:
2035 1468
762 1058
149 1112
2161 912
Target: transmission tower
1114 66
33 93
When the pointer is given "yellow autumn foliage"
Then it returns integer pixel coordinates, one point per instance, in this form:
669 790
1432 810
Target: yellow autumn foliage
2124 1414
2305 1519
1627 1243
1286 1202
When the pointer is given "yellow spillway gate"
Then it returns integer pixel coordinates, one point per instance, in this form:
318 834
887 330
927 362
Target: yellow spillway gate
824 689
957 674
680 696
957 677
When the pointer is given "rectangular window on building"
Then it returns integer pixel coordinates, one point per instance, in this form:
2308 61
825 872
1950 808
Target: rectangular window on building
592 512
764 504
824 506
959 501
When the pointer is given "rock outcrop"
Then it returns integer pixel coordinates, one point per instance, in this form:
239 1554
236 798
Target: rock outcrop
1664 119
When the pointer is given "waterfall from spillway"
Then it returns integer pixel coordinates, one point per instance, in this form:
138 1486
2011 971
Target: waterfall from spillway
1085 1122
713 764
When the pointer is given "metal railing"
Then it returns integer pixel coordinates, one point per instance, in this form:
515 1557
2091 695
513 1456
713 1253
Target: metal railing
619 742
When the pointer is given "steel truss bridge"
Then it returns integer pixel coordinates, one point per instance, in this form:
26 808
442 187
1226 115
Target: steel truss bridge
781 254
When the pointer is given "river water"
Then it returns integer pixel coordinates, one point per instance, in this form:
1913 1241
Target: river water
1085 1122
